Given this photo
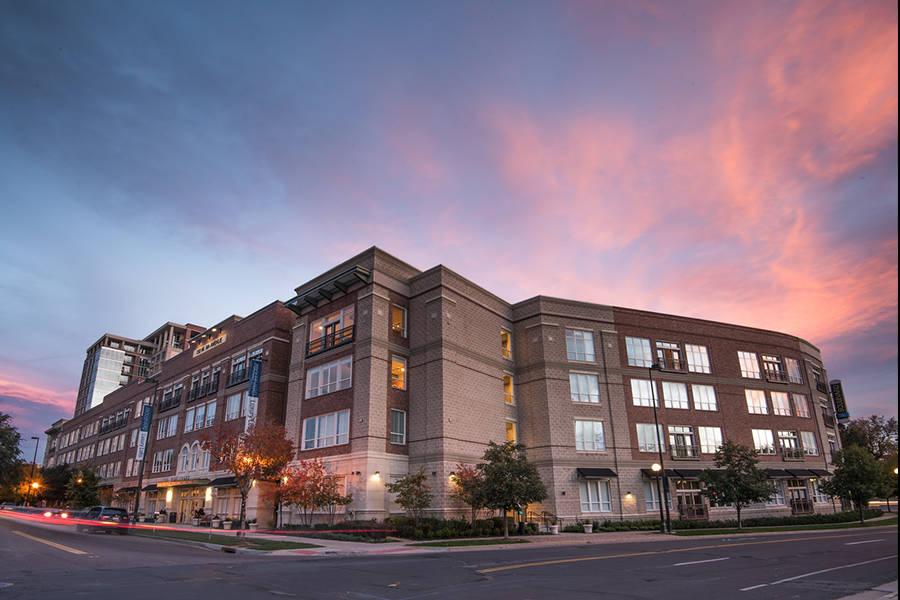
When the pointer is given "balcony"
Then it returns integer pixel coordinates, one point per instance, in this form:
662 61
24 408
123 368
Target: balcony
822 387
693 512
213 386
330 340
685 452
792 454
193 394
236 377
672 364
776 375
801 506
829 421
169 402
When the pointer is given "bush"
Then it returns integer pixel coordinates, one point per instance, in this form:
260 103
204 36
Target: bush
814 519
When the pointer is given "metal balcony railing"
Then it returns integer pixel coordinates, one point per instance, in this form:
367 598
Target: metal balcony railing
792 454
822 387
693 511
685 452
801 506
330 340
672 364
236 377
170 402
776 375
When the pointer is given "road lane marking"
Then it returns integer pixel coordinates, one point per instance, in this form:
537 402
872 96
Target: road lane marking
49 543
699 562
649 553
865 542
817 573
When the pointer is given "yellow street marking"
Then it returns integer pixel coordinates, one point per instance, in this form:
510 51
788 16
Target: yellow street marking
54 544
572 560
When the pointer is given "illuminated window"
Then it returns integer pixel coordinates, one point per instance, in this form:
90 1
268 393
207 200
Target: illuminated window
801 406
763 441
506 343
508 389
510 431
335 329
795 374
669 354
398 373
398 320
781 405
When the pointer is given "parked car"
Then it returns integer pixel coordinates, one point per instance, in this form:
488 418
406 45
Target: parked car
110 519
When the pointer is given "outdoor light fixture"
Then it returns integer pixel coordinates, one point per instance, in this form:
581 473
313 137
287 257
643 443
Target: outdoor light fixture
667 526
34 460
628 495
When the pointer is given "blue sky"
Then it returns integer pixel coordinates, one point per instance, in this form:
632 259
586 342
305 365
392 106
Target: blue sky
185 161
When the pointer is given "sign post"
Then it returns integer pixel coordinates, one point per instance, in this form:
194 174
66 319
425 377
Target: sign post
140 456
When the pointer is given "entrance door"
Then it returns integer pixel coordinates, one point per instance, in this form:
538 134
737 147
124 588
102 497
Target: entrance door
690 500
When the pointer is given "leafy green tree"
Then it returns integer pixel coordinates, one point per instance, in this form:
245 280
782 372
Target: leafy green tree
857 477
875 434
54 483
413 494
10 463
511 481
468 483
83 489
737 479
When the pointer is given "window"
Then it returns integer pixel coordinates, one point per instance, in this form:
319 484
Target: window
763 441
832 443
648 441
710 439
237 366
584 388
398 372
651 497
795 374
704 397
233 406
801 406
398 427
790 444
641 393
669 354
595 496
777 499
756 402
580 345
161 428
511 431
819 378
398 321
810 448
195 457
326 430
506 343
189 420
749 365
329 378
589 435
817 494
697 358
185 459
508 389
681 439
205 459
200 416
210 413
173 425
675 395
781 405
773 368
157 462
638 350
133 442
167 458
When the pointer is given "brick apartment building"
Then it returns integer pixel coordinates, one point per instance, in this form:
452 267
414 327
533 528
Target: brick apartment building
382 369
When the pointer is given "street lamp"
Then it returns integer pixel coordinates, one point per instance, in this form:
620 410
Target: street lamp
145 433
656 468
33 460
659 445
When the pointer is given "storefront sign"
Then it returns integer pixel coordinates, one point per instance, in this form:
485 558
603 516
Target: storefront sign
210 345
840 402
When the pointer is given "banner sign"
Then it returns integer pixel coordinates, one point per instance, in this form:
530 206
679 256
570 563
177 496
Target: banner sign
840 402
146 417
253 391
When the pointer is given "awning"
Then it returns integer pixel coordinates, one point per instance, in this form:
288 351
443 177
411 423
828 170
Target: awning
652 474
223 482
323 291
821 473
127 490
150 488
596 473
689 473
778 474
801 473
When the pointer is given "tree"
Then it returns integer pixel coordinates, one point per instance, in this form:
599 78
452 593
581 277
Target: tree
468 484
302 486
261 453
331 497
83 489
875 434
10 463
54 483
511 481
736 479
413 494
857 477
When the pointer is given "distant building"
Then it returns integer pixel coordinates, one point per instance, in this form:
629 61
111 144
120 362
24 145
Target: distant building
381 369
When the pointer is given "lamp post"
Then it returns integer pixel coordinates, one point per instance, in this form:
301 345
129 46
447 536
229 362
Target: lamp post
145 433
659 445
33 460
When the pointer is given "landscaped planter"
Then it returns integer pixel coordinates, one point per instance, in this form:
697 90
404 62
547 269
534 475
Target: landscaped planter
589 528
554 530
226 525
254 526
216 523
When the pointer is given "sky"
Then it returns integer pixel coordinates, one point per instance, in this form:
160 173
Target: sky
186 161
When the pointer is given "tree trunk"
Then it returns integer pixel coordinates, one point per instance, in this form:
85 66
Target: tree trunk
505 526
474 514
740 525
862 513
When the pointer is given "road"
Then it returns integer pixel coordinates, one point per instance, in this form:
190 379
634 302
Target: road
43 560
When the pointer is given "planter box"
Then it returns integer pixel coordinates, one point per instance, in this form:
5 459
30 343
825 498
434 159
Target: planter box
589 528
226 525
554 530
254 526
216 523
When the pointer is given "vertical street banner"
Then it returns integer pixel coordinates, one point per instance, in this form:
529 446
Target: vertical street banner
146 417
840 402
253 392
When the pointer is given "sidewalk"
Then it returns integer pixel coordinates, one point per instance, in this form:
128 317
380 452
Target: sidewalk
882 592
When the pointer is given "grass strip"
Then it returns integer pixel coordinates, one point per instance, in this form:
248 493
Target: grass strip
461 543
821 526
225 540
